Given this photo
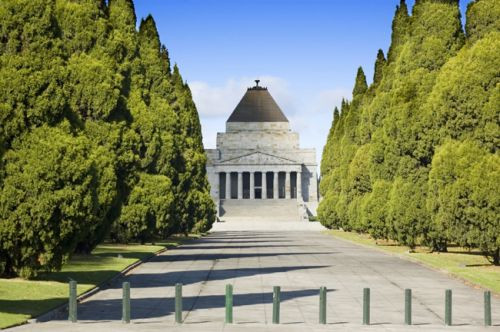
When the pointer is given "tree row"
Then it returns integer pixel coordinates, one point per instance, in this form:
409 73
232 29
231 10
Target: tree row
99 136
414 156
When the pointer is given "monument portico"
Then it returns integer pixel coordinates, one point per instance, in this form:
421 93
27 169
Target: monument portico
258 161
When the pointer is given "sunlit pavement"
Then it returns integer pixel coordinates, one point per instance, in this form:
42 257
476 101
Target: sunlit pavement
300 261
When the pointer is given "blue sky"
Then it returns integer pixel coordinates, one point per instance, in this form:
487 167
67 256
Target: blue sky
305 51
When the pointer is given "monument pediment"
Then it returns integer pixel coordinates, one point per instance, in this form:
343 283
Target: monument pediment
258 158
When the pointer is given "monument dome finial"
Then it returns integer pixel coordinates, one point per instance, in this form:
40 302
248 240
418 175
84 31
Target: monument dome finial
257 83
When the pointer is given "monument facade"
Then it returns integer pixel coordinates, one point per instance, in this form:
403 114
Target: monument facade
258 162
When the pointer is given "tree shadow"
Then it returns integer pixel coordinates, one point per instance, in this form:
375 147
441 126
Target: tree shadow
146 308
30 307
90 276
247 236
168 279
471 253
81 277
246 246
477 265
245 241
244 234
220 256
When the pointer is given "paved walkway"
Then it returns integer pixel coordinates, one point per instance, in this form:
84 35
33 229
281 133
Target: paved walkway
298 261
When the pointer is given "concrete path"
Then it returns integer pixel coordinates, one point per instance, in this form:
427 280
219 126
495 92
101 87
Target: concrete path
298 261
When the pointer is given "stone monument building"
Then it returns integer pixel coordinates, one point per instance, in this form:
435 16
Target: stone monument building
258 170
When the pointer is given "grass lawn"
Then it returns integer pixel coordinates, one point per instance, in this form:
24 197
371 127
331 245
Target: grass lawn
22 299
471 266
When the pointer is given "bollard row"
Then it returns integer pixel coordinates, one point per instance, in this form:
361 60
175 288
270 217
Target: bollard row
72 305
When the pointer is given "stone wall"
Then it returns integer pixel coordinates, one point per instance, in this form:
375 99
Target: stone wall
257 135
263 147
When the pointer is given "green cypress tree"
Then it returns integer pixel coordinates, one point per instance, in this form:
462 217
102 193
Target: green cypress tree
464 106
482 18
95 89
83 25
154 121
466 99
148 33
331 180
357 185
48 198
400 30
31 68
374 216
379 68
366 125
148 209
360 86
350 143
436 35
122 14
327 156
122 44
196 203
463 201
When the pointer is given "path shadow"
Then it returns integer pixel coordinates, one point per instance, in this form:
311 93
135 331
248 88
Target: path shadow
185 277
146 308
239 235
244 241
219 256
247 246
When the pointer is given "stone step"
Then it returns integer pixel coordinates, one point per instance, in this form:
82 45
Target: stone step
259 210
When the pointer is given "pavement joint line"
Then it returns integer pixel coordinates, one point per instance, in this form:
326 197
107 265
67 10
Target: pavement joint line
202 284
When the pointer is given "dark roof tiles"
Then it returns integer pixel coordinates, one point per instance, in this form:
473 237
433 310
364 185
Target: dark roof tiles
257 105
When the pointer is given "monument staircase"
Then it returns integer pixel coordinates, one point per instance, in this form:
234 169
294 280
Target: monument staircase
259 210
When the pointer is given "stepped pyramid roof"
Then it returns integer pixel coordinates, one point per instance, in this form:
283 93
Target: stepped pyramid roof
257 105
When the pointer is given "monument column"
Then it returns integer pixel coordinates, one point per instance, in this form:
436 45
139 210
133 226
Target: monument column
287 185
299 186
252 185
240 185
264 185
217 185
275 185
228 185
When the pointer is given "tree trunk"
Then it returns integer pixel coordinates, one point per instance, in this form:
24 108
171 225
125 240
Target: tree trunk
8 268
496 257
83 248
439 246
